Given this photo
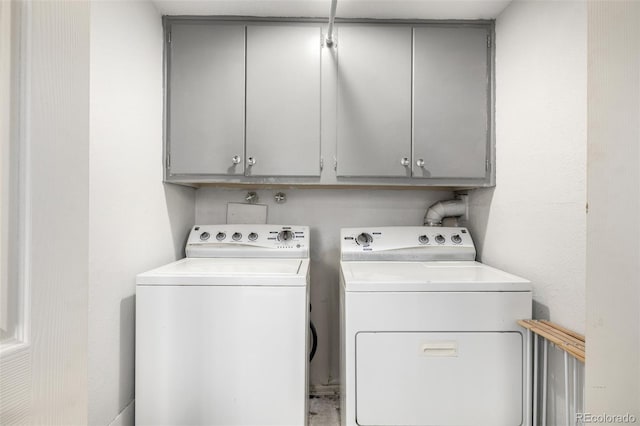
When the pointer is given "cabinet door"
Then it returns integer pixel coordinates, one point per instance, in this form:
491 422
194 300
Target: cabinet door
450 112
374 100
206 99
283 100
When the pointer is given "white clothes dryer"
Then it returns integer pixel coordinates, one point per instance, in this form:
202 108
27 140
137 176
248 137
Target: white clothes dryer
429 335
222 335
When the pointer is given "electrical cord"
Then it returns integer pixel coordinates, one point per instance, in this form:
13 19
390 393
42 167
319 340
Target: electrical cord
314 344
314 337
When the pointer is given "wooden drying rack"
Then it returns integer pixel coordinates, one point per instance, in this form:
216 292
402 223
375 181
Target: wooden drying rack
571 343
567 340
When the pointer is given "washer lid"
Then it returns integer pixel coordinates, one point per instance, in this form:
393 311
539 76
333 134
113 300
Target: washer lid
229 272
428 276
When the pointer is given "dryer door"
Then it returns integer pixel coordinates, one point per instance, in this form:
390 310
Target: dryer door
461 378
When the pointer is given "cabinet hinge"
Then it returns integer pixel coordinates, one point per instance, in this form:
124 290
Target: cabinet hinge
488 41
168 161
487 165
321 163
335 163
169 37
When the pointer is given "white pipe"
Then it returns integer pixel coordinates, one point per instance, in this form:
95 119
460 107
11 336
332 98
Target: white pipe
332 17
543 415
574 412
566 389
536 374
582 404
442 209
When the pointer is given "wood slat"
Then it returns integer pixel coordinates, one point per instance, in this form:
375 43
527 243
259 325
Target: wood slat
561 342
565 330
572 343
560 334
564 341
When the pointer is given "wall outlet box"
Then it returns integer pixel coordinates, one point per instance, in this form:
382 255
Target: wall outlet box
246 213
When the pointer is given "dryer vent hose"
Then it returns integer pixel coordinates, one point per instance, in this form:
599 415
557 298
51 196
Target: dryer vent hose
442 209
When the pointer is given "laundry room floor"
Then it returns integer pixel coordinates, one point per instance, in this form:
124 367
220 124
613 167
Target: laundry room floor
324 410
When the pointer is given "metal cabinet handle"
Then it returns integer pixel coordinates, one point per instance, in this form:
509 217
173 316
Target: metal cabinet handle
251 161
236 159
420 162
404 161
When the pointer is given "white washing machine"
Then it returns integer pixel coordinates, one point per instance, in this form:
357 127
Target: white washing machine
222 335
429 335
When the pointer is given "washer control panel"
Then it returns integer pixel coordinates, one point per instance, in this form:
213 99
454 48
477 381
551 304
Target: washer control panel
257 240
407 243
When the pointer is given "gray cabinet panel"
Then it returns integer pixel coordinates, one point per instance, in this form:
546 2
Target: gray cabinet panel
374 100
450 112
283 100
206 99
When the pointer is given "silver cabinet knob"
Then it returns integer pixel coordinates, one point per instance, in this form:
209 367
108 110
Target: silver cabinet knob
420 162
251 161
236 159
404 161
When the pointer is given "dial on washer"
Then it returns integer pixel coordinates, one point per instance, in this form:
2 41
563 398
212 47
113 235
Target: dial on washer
364 239
423 239
253 236
440 239
285 235
456 239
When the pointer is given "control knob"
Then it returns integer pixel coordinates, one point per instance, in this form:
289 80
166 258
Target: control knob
253 236
236 236
221 236
423 239
440 239
456 239
364 239
204 236
285 235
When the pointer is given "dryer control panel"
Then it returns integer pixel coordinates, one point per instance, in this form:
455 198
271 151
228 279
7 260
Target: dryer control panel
419 243
259 240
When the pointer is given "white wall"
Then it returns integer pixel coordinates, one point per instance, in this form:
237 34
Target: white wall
533 223
136 223
46 381
59 135
7 43
613 244
326 211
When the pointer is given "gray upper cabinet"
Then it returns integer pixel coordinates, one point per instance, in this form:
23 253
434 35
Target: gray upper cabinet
450 102
206 99
283 100
374 100
395 103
